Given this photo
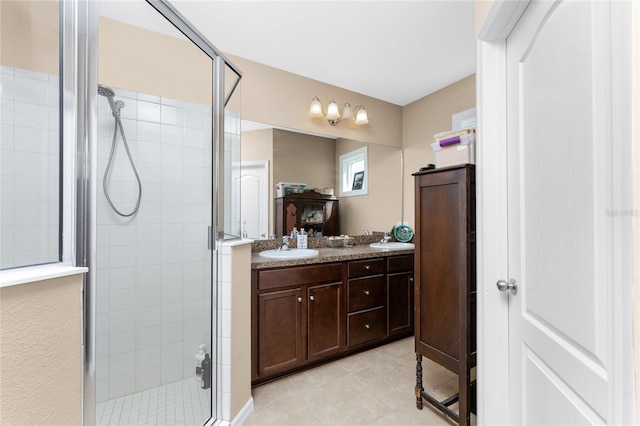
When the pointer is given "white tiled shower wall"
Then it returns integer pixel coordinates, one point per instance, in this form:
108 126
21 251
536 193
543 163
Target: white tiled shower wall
154 270
154 273
29 167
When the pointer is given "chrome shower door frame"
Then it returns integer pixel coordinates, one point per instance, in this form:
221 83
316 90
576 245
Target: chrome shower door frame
80 58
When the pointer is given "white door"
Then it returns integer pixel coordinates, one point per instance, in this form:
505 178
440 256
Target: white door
568 248
254 202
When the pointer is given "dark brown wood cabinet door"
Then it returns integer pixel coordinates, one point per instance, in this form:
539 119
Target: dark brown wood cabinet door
281 331
400 302
443 258
325 320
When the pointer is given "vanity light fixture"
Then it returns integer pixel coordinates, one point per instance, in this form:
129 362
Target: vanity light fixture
333 115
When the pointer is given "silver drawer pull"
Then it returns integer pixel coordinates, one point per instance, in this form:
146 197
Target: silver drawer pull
367 326
311 297
367 267
367 292
410 280
299 299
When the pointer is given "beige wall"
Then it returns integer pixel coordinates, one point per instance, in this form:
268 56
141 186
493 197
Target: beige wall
424 118
29 35
482 11
391 183
240 328
41 353
149 62
303 158
282 99
381 208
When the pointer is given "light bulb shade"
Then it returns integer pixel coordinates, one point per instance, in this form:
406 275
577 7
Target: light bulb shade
332 111
316 108
347 112
361 115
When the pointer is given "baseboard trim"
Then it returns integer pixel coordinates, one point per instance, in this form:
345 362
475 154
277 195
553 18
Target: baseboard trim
244 414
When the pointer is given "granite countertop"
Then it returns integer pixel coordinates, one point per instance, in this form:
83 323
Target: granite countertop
326 255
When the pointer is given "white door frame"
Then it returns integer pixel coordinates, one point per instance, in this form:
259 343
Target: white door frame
491 207
491 171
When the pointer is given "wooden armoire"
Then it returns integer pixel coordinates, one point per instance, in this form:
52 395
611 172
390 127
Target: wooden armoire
445 281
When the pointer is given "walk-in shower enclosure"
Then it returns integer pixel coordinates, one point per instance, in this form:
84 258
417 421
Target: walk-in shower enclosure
166 142
126 123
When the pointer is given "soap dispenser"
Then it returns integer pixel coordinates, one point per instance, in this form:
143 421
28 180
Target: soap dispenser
302 240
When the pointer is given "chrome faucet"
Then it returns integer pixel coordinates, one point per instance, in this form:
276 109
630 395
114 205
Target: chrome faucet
385 239
285 243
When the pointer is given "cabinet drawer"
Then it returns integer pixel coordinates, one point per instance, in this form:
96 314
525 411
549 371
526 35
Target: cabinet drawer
301 275
367 326
362 268
365 293
400 263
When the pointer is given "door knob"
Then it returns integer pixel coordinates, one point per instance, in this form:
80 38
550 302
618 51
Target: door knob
512 285
367 292
299 299
311 297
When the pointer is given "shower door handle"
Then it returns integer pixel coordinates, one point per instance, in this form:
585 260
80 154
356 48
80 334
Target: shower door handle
211 237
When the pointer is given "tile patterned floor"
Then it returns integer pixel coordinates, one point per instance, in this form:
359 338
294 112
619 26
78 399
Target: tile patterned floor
180 403
371 388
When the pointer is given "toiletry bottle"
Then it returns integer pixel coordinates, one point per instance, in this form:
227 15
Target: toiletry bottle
199 358
294 233
302 240
205 383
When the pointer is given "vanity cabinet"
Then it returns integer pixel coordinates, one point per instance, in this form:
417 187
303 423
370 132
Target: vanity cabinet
281 324
308 210
445 291
304 315
400 290
298 317
367 301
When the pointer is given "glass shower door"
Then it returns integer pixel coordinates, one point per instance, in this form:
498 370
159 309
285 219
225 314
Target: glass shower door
155 351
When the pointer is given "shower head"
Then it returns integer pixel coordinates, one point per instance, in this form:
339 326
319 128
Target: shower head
106 91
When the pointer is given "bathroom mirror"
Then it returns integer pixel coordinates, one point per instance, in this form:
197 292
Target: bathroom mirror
298 157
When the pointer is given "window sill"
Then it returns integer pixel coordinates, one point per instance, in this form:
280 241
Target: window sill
32 274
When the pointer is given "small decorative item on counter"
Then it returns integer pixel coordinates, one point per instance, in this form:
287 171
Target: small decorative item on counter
403 233
348 241
286 188
294 233
334 242
205 383
302 240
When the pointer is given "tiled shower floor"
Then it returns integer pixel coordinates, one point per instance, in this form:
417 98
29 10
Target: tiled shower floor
179 403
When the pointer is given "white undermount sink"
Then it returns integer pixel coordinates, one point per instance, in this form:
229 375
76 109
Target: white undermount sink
392 246
290 254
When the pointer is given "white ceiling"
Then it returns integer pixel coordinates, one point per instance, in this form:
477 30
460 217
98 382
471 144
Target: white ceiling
396 51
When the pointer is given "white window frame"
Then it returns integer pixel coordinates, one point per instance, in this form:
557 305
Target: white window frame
346 172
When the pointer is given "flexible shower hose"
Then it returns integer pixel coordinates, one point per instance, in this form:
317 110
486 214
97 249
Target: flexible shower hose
116 114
